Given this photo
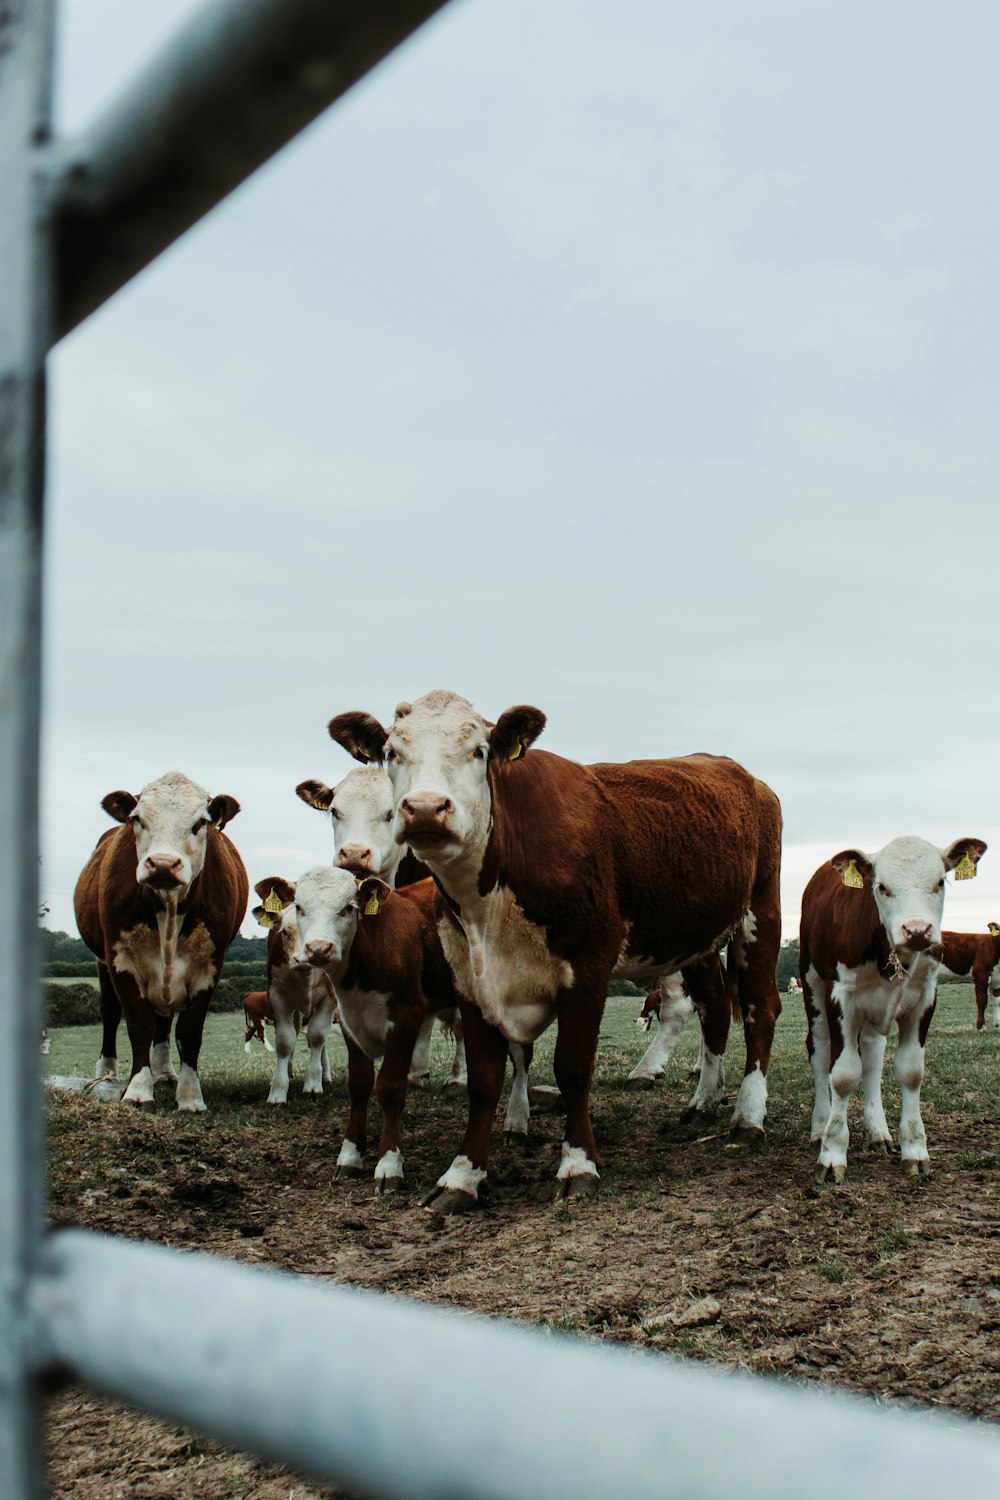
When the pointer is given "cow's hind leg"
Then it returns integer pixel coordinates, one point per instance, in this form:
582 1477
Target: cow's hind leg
163 1068
518 1114
190 1026
872 1047
457 1190
676 1010
707 986
111 1015
420 1063
814 992
756 955
908 1067
390 1090
579 1019
360 1082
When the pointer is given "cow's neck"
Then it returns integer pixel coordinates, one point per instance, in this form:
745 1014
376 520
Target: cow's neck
169 917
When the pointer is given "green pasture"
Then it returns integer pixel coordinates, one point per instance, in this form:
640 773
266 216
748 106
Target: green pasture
963 1065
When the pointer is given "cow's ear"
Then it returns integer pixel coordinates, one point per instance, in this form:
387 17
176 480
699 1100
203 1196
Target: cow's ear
371 893
361 736
993 928
276 889
853 866
963 856
222 810
315 794
118 805
515 732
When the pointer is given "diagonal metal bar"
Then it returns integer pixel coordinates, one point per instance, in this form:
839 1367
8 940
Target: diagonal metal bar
25 90
410 1402
234 86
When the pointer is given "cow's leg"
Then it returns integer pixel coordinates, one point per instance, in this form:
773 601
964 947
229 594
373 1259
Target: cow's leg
518 1108
872 1048
579 1020
390 1091
140 1020
286 1031
707 987
111 1014
317 1031
458 1078
814 993
996 1009
360 1082
326 1072
981 982
420 1064
163 1068
756 953
676 1009
908 1067
190 1026
845 1075
486 1054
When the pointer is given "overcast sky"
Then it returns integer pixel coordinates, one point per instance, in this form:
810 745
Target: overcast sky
638 361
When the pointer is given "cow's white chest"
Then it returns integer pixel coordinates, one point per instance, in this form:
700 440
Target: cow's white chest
364 1015
504 964
865 996
169 969
300 988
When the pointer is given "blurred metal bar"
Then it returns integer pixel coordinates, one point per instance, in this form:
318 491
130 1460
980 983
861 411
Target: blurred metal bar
410 1402
25 90
237 83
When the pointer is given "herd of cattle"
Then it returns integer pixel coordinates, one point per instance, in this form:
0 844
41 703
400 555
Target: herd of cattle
498 888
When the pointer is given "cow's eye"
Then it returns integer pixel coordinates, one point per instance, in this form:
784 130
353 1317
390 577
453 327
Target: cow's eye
390 755
388 817
940 885
479 753
348 910
298 910
199 825
334 813
883 890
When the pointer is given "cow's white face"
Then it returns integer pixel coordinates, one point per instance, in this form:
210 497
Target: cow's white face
362 811
907 880
436 755
319 925
170 820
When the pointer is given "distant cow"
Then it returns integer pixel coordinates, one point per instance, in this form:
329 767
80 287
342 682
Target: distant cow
256 1011
360 808
158 903
300 997
978 954
794 986
870 950
555 876
378 949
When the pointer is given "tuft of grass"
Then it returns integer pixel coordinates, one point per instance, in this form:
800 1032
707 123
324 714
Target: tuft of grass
831 1269
892 1240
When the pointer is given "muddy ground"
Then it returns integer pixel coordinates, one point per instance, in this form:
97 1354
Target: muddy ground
880 1285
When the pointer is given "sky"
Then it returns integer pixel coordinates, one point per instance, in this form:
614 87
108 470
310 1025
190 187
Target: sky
635 361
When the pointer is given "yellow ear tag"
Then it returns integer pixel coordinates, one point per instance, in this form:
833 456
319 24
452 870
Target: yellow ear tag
965 869
994 929
273 903
218 825
852 877
366 754
517 751
372 907
265 920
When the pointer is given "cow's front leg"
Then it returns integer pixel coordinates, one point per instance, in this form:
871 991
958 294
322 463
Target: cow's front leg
163 1068
111 1015
676 1010
190 1025
707 986
756 950
317 1031
390 1090
982 996
908 1067
518 1107
872 1048
814 992
845 1075
996 1010
579 1020
458 1078
360 1081
286 1032
140 1019
486 1056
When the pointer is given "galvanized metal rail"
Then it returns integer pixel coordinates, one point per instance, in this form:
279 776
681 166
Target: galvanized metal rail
392 1399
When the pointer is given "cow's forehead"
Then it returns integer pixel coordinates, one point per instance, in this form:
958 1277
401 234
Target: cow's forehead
909 861
440 715
173 795
326 884
368 786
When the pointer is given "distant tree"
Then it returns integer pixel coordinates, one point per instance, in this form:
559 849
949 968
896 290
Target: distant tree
788 963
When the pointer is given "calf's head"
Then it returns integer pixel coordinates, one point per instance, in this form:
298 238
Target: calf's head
321 913
362 811
437 754
170 820
907 879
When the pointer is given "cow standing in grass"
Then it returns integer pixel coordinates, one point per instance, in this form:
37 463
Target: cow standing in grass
556 876
870 951
158 903
978 954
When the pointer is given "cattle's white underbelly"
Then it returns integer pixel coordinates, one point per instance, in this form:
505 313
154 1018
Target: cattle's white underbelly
364 1015
168 970
504 964
878 1001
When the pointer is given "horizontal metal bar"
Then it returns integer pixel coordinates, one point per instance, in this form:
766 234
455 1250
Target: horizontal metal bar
238 82
403 1400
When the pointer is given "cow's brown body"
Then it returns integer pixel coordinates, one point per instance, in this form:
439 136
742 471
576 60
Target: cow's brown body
115 914
257 1013
978 954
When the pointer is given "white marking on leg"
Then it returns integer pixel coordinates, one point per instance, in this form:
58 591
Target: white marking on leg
676 1010
349 1156
459 1075
284 1035
711 1088
751 1101
162 1067
844 1079
420 1062
189 1097
463 1177
518 1109
908 1067
246 1046
140 1089
575 1162
819 1059
872 1046
107 1067
390 1167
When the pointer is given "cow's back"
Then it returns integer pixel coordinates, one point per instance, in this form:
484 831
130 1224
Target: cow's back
88 897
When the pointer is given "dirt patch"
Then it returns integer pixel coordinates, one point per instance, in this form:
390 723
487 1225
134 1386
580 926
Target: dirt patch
882 1285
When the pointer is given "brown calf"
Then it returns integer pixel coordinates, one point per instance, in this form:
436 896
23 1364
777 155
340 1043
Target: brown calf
256 1011
978 954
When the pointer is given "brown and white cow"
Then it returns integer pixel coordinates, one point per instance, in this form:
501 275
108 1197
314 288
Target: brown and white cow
702 988
300 997
978 954
379 950
256 1013
361 811
556 876
158 903
870 950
